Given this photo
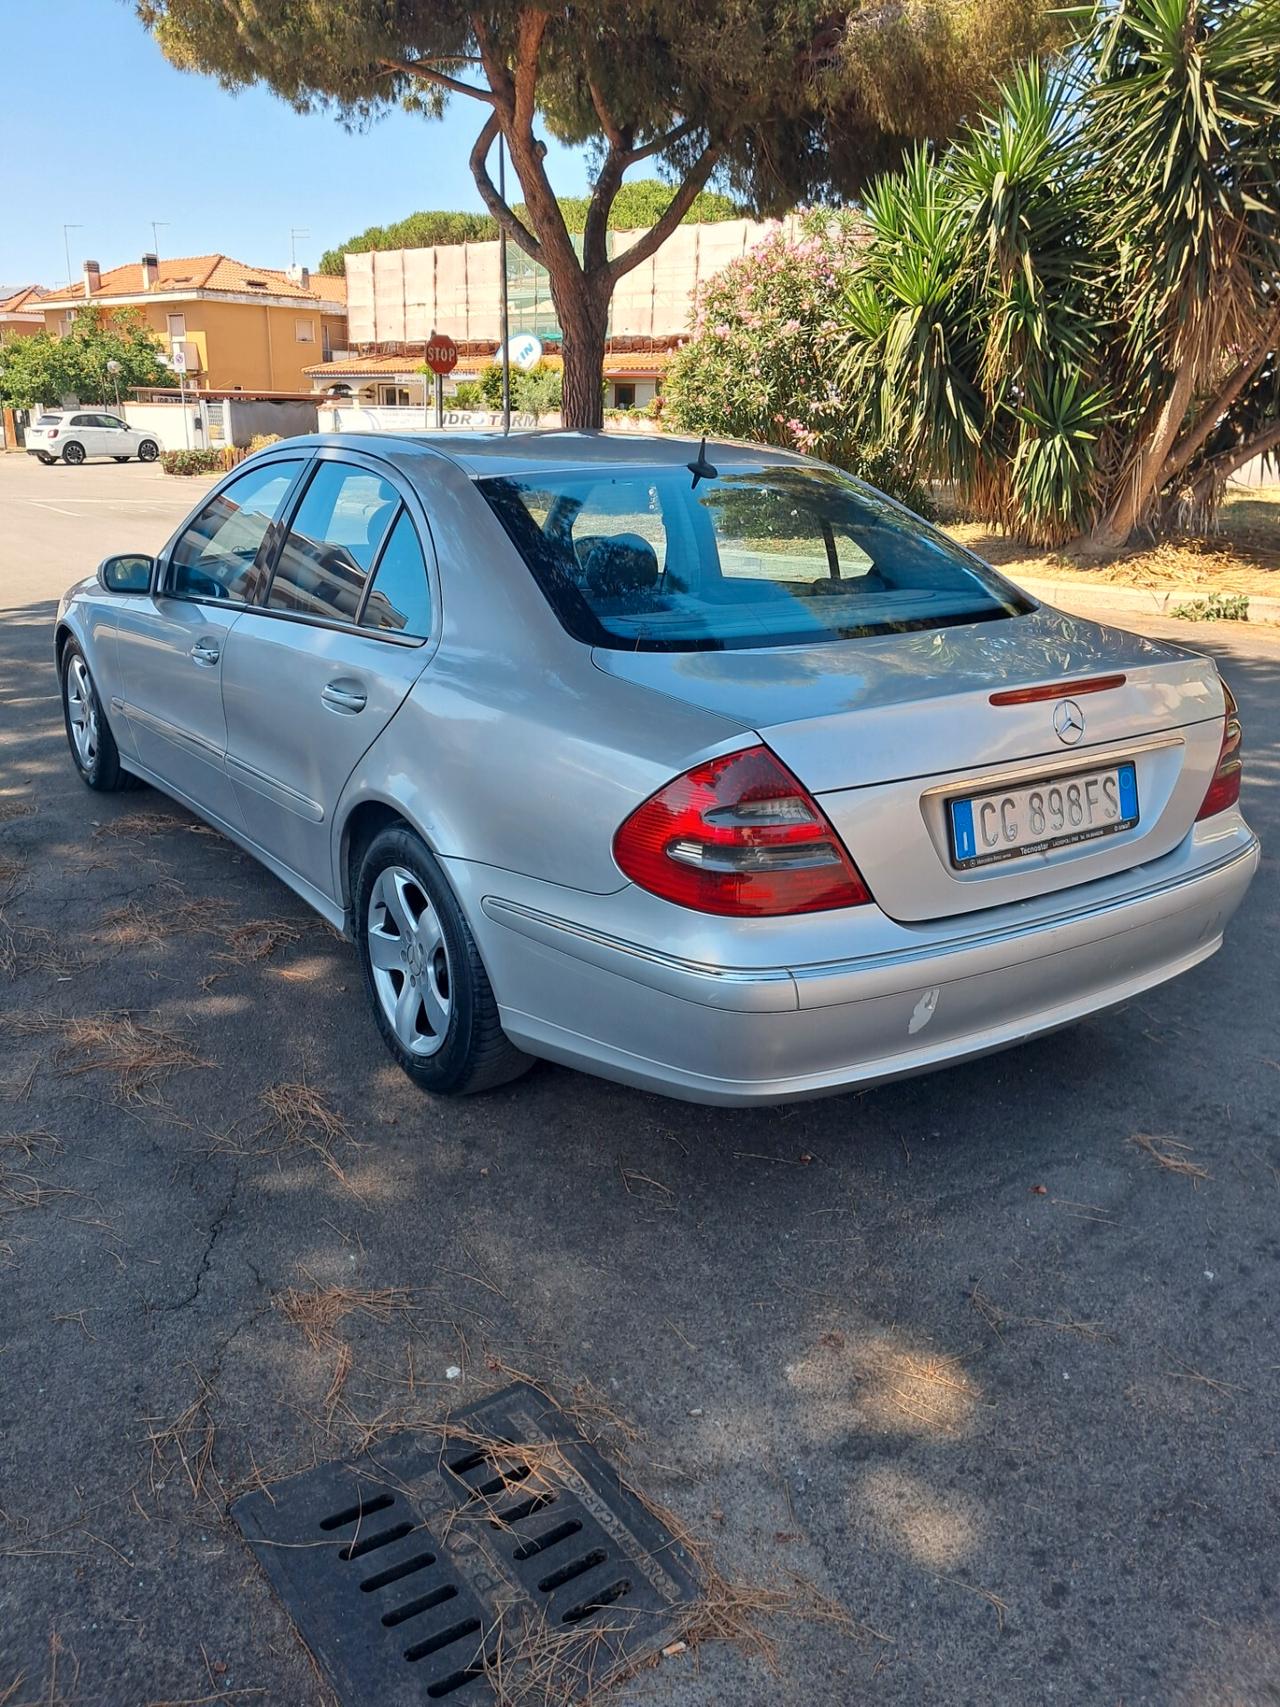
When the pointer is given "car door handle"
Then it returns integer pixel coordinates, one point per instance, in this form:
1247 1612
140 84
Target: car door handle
340 698
206 652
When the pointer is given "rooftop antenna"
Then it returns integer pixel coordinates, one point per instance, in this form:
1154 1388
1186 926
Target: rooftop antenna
157 225
296 231
66 249
700 468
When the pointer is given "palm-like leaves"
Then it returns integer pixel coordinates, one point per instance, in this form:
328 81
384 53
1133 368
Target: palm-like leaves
1044 310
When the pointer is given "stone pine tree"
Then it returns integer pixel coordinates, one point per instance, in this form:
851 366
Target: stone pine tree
779 103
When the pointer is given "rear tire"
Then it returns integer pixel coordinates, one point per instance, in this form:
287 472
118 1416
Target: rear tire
148 450
45 459
73 453
121 459
93 747
430 994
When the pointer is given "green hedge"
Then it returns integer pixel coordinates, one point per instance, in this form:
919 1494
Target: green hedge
193 461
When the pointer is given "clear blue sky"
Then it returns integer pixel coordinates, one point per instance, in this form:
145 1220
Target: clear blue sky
131 140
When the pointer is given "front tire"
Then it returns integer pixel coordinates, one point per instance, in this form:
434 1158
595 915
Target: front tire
148 450
89 736
426 983
73 453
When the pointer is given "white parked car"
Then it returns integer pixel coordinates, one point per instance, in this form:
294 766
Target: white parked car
74 435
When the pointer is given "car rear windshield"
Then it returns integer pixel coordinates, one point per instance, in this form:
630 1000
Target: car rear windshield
658 559
47 420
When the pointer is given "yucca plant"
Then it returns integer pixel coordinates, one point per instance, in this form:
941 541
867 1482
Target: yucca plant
1073 314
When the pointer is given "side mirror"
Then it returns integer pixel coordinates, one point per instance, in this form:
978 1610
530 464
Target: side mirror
130 572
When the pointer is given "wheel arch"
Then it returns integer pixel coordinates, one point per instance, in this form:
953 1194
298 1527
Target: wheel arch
368 818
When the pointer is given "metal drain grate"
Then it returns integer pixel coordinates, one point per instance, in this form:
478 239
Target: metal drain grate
438 1565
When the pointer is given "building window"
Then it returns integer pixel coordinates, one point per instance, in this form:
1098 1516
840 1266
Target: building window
177 324
393 396
624 396
326 341
304 331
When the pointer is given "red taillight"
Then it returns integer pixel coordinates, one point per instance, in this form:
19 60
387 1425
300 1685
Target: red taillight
1224 790
738 835
52 433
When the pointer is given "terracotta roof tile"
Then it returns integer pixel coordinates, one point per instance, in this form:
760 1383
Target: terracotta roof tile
204 272
24 301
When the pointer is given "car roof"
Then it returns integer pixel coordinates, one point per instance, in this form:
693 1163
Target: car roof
486 455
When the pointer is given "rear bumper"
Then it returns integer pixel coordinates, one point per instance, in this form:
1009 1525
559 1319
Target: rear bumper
917 998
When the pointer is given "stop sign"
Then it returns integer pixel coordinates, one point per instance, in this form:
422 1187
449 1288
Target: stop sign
442 353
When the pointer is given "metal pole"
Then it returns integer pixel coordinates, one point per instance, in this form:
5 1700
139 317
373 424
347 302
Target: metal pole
502 269
66 249
439 402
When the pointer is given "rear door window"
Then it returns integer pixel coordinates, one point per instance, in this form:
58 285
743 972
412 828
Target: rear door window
333 542
399 601
215 558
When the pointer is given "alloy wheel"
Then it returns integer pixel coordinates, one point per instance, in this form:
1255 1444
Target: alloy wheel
82 713
409 960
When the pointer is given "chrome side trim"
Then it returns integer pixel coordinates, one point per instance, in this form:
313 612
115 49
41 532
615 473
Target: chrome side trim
768 989
209 751
279 793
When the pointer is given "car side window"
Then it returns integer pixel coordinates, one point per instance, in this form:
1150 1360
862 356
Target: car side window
399 601
112 421
333 542
215 556
83 421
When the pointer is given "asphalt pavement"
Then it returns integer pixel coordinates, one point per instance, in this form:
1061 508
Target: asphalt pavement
990 1358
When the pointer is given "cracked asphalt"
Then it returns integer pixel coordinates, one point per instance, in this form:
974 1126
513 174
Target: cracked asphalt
959 1351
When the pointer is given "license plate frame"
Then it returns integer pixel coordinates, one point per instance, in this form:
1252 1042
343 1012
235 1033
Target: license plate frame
962 836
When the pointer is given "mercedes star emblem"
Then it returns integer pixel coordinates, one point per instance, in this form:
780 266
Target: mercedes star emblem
1068 721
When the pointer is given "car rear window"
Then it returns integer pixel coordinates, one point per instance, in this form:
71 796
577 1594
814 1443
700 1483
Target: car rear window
656 559
47 420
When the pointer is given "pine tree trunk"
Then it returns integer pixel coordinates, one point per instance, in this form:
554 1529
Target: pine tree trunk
583 309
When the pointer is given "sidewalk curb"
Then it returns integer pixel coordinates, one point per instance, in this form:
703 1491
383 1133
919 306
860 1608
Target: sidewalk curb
1140 601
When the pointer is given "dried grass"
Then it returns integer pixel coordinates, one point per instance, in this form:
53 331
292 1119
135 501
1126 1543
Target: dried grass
140 1057
29 1145
1168 1157
318 1310
25 949
997 1319
302 1119
137 826
137 925
186 1442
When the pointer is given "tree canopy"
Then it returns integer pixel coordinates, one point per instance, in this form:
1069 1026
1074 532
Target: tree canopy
780 104
639 204
44 369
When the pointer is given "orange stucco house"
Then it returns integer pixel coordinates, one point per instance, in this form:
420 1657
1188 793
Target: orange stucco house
256 328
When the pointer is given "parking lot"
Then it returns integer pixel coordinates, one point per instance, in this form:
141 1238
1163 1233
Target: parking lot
970 1382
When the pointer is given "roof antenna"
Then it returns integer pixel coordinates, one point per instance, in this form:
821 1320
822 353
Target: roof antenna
700 468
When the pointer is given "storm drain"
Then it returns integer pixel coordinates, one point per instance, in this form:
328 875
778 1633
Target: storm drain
500 1557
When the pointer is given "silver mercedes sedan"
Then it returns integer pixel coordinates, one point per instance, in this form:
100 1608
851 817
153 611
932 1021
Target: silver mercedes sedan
701 767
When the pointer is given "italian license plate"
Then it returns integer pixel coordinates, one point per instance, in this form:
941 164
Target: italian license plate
1014 822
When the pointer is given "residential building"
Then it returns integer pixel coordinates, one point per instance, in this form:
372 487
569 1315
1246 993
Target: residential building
238 327
20 314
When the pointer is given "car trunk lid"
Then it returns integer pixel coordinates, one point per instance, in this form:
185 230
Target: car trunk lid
886 731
